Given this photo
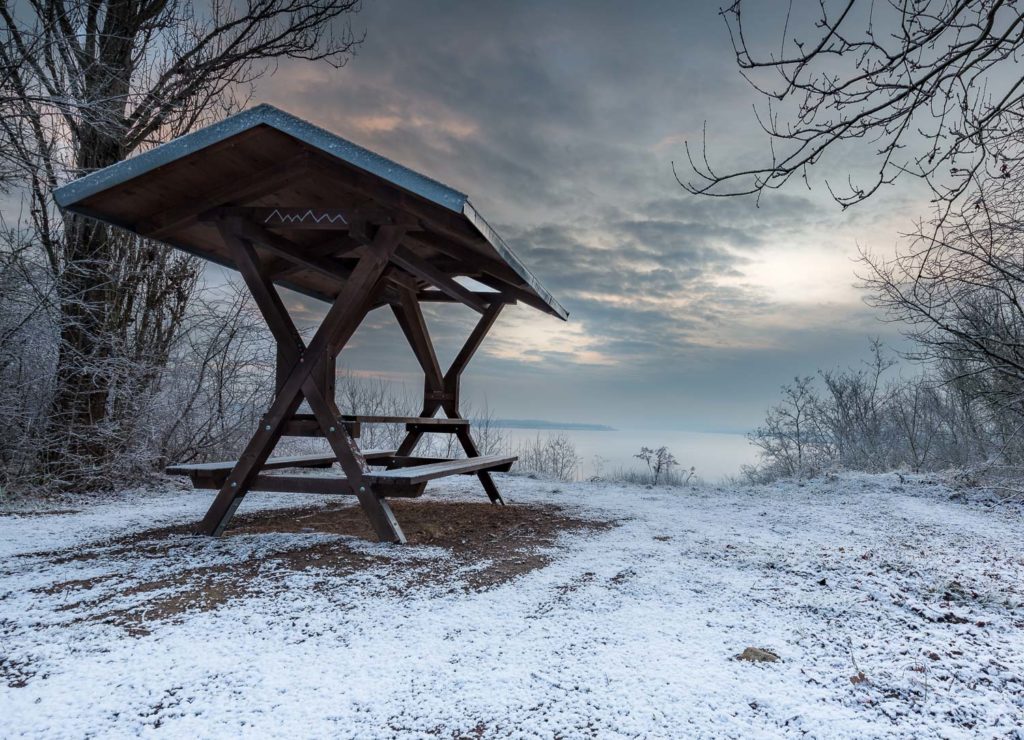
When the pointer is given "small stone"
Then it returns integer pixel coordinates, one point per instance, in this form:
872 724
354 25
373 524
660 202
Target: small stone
758 655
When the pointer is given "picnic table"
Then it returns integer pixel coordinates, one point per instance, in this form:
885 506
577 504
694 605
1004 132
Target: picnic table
290 205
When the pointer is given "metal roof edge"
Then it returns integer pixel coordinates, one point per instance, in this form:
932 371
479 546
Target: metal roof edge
495 240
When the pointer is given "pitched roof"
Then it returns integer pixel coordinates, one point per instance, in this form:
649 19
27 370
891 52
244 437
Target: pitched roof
264 159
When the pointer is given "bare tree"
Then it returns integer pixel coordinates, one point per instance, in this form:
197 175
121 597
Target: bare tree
26 354
84 84
788 436
216 382
659 461
850 422
937 420
958 287
553 455
933 86
935 90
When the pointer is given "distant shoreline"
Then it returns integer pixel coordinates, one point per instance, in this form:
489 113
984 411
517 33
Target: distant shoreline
542 424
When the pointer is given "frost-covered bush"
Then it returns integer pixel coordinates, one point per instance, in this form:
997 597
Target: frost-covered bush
27 357
674 478
554 455
866 419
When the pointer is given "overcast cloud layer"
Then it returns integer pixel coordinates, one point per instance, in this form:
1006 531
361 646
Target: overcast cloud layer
561 120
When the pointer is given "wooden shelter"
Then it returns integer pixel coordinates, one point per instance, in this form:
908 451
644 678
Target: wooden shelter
288 204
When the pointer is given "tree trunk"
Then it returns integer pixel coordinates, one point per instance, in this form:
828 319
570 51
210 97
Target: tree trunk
85 287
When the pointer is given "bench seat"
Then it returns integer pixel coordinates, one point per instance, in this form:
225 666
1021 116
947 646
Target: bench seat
406 476
214 469
413 474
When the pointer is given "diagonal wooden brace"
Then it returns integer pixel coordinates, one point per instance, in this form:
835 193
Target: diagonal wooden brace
346 313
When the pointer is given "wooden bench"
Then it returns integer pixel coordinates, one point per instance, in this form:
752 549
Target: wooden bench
411 475
405 476
218 471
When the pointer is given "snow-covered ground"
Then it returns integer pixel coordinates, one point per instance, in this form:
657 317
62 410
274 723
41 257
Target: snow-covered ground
896 610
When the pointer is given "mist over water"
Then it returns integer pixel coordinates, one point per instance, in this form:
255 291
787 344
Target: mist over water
714 455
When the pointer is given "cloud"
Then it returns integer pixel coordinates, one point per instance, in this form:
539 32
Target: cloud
561 121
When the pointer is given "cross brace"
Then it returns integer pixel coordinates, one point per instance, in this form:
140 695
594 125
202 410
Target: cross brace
441 389
343 318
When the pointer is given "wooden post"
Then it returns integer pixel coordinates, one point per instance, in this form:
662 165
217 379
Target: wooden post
441 390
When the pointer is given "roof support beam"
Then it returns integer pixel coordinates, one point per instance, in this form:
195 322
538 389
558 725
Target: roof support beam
348 310
513 291
289 250
436 296
423 270
444 395
487 271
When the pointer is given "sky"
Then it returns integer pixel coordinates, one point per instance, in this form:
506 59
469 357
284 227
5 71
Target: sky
562 122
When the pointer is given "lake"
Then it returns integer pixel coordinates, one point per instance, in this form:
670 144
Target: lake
715 455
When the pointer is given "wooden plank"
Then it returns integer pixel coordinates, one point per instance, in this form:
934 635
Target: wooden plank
402 203
480 267
425 421
306 425
322 485
436 296
408 461
335 245
289 250
405 461
298 461
520 294
474 341
324 460
297 254
468 257
374 263
289 341
447 396
442 426
470 448
446 284
424 473
414 326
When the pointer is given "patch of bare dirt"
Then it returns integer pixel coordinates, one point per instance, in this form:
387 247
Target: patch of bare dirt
486 545
15 673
